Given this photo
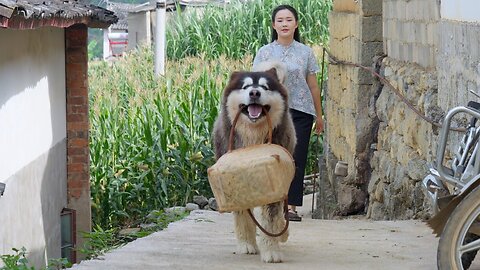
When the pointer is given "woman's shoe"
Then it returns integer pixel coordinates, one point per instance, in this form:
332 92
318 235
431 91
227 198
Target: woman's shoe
293 216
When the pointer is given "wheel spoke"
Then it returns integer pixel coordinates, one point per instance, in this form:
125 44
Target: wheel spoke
474 245
475 228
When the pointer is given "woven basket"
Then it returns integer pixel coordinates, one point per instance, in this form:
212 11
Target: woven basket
252 176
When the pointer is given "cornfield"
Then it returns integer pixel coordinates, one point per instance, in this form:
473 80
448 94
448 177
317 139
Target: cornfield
240 28
150 137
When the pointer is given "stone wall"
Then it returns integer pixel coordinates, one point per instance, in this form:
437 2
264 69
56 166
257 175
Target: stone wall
432 61
355 29
405 143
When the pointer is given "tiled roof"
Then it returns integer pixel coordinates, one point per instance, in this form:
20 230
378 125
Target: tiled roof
25 14
121 10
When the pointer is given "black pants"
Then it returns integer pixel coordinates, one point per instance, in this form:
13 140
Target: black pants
303 123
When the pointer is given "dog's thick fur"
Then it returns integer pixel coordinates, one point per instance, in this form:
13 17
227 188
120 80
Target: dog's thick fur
258 88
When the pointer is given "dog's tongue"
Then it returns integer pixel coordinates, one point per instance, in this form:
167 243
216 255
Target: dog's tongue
254 110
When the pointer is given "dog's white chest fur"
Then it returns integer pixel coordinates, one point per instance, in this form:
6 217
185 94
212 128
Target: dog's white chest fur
252 135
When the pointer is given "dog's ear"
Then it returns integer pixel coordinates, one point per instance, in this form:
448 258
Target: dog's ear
273 73
234 75
233 81
275 68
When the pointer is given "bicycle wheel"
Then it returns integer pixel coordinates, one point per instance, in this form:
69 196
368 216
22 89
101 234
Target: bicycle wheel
459 242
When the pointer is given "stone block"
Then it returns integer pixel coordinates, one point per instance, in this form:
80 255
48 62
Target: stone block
417 169
432 34
394 50
376 211
387 34
393 29
351 200
369 50
372 7
343 25
421 33
334 82
379 192
350 6
405 52
387 44
363 96
410 9
400 10
424 55
385 165
372 29
420 10
332 110
364 135
347 49
339 148
374 180
384 106
388 10
410 128
349 131
399 28
348 100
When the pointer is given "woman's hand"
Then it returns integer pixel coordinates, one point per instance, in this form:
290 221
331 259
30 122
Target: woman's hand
317 101
319 125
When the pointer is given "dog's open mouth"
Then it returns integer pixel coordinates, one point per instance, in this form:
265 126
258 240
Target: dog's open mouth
254 111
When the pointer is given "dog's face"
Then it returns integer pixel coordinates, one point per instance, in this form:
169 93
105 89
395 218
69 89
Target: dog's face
255 93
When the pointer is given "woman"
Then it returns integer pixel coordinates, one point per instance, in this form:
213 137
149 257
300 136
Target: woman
304 100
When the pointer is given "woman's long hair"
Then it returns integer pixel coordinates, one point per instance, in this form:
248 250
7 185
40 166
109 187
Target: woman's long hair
296 34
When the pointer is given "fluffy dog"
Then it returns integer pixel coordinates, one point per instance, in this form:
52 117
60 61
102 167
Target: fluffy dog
252 92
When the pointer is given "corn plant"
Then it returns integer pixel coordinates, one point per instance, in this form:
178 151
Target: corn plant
239 28
150 137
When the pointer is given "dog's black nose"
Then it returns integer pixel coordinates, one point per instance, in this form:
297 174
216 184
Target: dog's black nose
254 94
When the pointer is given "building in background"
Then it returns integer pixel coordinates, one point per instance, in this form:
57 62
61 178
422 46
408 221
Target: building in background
137 22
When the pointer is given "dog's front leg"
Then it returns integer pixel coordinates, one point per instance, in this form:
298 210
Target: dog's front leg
271 218
245 232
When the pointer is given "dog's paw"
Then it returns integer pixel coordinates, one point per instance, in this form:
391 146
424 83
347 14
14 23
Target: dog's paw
246 248
272 256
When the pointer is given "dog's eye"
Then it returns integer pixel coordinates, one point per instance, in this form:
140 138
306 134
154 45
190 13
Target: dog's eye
246 86
265 87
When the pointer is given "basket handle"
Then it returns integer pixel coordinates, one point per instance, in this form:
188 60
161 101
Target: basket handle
230 140
285 210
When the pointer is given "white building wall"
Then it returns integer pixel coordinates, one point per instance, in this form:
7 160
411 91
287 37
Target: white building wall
32 141
139 29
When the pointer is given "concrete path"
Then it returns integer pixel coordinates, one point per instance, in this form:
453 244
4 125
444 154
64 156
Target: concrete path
205 240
